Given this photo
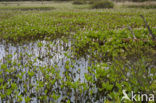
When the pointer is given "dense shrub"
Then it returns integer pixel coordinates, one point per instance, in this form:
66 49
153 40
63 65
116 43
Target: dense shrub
145 6
103 4
91 1
78 2
139 0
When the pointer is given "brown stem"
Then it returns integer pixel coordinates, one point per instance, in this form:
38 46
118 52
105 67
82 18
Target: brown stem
146 24
132 32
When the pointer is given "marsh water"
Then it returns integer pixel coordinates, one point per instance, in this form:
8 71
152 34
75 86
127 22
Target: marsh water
48 71
39 54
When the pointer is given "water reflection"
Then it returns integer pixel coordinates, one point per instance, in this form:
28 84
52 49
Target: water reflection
33 57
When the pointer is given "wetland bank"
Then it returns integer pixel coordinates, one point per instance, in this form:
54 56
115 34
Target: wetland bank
62 52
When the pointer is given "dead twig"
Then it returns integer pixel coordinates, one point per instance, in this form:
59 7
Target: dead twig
146 24
132 32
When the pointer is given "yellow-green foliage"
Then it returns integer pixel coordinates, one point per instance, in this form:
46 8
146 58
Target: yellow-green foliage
93 36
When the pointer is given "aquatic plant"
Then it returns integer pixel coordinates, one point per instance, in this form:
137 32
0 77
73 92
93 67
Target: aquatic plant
83 56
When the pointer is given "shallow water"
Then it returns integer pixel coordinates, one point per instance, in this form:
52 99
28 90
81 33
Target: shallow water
44 68
42 53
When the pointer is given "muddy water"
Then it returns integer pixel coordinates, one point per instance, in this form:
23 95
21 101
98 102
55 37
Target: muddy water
42 53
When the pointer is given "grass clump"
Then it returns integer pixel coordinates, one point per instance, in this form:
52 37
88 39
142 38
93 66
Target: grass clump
103 4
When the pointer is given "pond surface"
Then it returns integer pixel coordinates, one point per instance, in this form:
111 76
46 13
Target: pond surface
49 72
34 55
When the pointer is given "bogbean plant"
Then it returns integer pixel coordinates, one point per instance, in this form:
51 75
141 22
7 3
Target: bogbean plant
113 64
119 65
21 79
38 25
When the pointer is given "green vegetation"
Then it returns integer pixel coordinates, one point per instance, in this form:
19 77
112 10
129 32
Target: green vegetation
145 6
28 8
72 53
140 5
35 25
139 0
